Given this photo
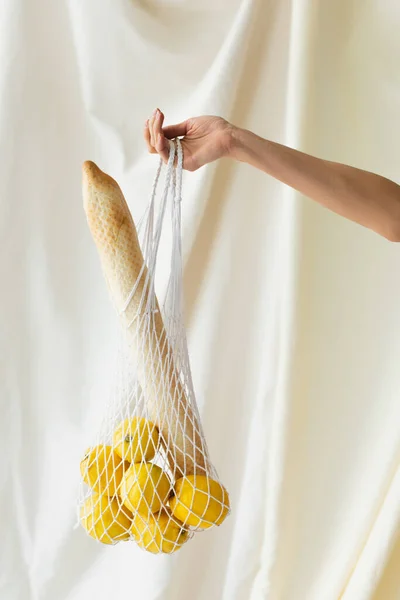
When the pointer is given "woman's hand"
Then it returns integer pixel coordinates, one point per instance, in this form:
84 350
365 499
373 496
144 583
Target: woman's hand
204 139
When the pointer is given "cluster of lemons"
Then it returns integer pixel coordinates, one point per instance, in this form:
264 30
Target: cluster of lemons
134 498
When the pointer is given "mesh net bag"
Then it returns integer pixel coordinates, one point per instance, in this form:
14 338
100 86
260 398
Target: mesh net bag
147 477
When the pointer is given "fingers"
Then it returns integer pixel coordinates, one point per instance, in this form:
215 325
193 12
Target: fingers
147 138
161 143
151 127
149 133
162 147
157 124
157 137
154 136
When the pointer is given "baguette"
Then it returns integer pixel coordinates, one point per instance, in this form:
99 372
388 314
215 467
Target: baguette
116 239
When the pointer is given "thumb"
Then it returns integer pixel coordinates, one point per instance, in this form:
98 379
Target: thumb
173 131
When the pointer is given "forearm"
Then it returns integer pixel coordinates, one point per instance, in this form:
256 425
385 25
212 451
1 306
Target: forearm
368 199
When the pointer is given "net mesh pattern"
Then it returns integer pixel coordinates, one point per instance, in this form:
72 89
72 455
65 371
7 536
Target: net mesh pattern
147 476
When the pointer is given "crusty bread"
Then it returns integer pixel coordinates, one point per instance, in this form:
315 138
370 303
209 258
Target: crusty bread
115 236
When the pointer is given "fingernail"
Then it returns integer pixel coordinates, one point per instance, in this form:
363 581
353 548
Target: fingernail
155 112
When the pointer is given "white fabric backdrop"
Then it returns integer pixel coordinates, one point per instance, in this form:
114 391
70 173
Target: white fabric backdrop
292 313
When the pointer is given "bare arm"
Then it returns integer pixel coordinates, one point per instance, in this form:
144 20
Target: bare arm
368 199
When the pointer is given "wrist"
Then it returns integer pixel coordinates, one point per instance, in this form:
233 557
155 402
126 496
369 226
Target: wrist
250 148
237 143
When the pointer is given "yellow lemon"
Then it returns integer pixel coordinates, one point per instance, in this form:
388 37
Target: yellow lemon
105 519
102 469
199 501
159 533
136 439
144 488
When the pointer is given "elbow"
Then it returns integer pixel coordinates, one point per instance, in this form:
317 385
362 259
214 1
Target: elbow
393 230
395 238
395 222
388 203
392 222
